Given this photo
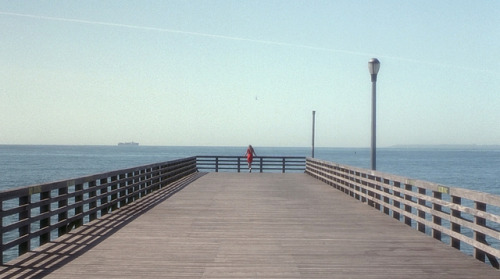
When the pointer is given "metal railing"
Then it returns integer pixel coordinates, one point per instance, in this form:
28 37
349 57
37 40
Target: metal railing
466 219
34 215
260 164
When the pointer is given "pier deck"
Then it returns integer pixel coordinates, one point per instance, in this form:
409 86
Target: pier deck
247 225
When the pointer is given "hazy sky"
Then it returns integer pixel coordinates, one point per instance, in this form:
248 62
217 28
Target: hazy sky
232 73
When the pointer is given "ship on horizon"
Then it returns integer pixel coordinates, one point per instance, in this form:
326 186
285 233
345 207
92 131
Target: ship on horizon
128 143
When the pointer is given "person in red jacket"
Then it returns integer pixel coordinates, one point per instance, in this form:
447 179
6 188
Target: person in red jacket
250 153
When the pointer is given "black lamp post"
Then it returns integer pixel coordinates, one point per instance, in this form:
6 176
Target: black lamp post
373 67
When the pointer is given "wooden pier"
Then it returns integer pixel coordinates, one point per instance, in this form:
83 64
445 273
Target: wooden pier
246 225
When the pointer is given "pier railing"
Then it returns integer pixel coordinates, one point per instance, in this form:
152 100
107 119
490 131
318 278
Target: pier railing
260 164
465 219
34 215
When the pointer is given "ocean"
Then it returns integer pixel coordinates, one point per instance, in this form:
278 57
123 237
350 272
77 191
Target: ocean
473 168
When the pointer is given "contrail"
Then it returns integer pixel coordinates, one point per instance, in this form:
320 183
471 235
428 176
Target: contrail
232 38
173 31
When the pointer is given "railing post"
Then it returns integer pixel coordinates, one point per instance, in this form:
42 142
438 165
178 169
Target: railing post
63 191
421 213
436 219
408 198
369 193
104 198
92 204
114 197
123 185
45 196
239 164
386 197
155 178
364 190
346 174
24 201
480 237
356 185
261 164
79 200
283 164
131 187
143 183
376 195
216 164
395 214
137 184
147 183
455 243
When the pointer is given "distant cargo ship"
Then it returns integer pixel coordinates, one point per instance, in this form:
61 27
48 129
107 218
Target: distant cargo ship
128 143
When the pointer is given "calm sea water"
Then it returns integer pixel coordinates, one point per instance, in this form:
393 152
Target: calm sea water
471 168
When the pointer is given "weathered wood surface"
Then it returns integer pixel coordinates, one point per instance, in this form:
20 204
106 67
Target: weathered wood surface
240 225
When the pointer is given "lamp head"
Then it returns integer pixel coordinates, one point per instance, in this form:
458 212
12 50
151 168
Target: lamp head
373 67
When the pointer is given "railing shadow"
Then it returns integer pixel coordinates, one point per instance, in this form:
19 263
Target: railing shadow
55 254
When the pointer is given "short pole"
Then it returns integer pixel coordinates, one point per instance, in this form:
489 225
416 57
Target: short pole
313 126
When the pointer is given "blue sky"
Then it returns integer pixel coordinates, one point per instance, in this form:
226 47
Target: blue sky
232 73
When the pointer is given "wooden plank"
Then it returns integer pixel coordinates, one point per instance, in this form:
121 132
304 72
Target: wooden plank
248 225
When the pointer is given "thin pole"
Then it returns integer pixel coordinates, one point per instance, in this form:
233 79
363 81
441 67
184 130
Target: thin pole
314 120
374 123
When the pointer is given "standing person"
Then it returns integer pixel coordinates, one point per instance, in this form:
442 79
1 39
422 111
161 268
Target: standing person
250 153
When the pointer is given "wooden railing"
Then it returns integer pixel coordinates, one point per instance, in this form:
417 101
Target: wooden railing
456 216
32 216
259 164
